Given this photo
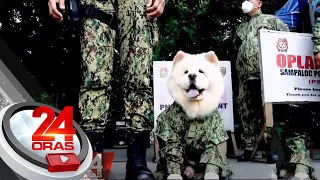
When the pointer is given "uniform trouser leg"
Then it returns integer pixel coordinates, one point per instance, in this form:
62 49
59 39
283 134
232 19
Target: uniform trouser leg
250 109
97 49
138 37
249 104
294 156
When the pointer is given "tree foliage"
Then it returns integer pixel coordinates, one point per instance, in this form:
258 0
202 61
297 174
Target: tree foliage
202 25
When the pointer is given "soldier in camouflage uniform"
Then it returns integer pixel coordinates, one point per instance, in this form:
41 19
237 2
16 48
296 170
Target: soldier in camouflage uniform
249 101
192 142
127 29
288 117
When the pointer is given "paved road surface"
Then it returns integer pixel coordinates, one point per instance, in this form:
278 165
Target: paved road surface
243 170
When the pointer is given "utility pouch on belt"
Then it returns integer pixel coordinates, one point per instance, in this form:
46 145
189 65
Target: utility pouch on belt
81 12
91 11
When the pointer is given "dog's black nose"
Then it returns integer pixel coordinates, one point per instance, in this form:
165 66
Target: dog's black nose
192 76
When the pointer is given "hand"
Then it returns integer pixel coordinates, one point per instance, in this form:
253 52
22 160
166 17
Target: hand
155 8
211 176
53 11
317 58
175 177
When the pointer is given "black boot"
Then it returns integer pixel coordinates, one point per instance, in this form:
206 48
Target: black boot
246 156
109 132
272 157
96 140
273 143
136 168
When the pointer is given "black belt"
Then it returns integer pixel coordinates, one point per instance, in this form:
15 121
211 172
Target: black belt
91 11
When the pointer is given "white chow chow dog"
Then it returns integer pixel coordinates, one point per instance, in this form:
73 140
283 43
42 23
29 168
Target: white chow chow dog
196 86
196 83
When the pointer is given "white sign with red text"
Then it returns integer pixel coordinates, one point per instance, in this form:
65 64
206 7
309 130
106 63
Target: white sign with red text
163 99
289 72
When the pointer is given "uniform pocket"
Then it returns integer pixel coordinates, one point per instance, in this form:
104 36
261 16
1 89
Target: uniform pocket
97 47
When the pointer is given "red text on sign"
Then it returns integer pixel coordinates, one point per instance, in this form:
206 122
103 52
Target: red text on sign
301 62
314 81
45 134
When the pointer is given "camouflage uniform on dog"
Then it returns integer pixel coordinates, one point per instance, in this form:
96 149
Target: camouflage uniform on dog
188 142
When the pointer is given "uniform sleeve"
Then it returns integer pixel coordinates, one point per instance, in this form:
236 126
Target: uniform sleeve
212 157
279 25
315 16
172 149
236 41
216 135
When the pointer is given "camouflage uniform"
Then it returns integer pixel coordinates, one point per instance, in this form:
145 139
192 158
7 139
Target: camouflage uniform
184 141
290 126
249 101
132 43
137 38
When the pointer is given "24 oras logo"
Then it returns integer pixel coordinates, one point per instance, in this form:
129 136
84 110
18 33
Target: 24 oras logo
41 142
44 137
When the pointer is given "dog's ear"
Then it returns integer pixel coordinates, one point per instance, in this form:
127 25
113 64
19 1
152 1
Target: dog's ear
180 55
212 57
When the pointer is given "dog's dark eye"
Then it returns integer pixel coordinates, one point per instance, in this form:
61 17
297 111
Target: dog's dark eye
200 71
186 72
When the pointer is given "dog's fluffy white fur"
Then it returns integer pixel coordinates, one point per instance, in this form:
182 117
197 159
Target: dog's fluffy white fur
208 79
